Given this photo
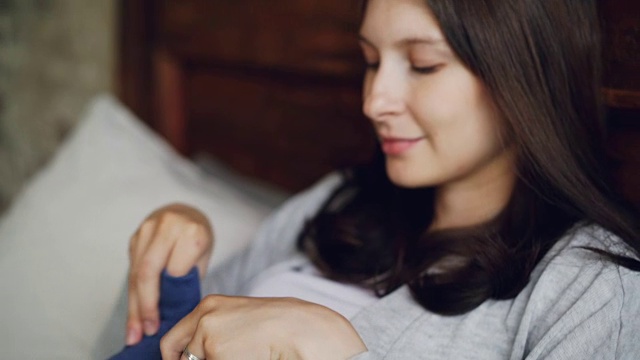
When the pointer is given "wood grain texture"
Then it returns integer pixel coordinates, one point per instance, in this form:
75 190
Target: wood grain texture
287 130
297 35
621 26
271 89
136 34
169 107
622 99
624 146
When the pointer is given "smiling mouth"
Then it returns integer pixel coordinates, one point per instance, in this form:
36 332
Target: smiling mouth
397 146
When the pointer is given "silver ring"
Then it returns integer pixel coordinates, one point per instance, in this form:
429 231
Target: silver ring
189 355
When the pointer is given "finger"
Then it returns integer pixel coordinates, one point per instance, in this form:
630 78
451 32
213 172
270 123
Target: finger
137 244
191 248
140 242
148 279
196 345
174 342
202 265
203 261
134 324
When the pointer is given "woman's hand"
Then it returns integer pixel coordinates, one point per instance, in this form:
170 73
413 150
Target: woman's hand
176 237
224 327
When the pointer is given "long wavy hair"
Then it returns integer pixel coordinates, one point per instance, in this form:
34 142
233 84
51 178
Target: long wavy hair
540 61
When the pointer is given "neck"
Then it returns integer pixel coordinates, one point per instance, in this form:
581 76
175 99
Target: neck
474 200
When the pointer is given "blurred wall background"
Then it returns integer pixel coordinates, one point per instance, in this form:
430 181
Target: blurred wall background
55 55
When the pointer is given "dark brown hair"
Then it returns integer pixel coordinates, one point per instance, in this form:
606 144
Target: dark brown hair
540 61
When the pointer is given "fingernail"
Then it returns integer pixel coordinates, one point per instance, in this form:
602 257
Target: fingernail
149 327
132 336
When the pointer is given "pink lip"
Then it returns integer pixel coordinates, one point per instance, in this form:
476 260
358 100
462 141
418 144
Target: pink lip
395 146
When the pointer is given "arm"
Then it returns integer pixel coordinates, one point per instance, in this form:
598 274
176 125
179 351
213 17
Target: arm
177 237
243 327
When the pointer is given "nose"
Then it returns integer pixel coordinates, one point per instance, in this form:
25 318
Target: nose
383 95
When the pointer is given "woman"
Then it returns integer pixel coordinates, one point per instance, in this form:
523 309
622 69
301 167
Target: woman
486 229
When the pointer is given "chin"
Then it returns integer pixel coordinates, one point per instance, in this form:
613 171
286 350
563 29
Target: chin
404 177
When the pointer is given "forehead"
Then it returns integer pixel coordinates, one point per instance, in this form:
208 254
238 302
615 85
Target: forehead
390 20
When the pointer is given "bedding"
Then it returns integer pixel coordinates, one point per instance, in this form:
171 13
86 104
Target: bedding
63 242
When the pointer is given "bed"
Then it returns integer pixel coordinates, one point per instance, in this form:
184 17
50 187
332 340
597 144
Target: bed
228 105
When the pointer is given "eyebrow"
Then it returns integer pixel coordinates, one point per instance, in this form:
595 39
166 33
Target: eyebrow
407 41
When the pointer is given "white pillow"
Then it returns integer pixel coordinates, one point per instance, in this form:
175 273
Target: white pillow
63 243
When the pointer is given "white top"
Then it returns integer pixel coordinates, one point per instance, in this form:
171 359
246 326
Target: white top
299 278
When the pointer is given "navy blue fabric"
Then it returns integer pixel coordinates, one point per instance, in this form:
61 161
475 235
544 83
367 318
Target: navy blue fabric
178 297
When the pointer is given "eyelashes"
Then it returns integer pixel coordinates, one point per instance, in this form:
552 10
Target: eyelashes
373 66
423 70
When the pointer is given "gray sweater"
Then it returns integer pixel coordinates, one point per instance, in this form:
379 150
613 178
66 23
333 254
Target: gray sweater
576 306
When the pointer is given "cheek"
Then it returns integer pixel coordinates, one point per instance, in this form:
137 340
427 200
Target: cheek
366 85
434 108
366 91
455 109
459 118
468 146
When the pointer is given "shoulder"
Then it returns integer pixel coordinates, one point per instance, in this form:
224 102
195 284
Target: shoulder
577 298
592 236
274 240
281 228
310 200
571 264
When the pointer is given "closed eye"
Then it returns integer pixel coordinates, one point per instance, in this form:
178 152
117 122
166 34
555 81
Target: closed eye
419 70
425 70
372 66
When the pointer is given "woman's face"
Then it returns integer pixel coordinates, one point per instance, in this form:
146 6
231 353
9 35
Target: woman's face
435 121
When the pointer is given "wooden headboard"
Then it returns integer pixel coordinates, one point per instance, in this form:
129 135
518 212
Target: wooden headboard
272 88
